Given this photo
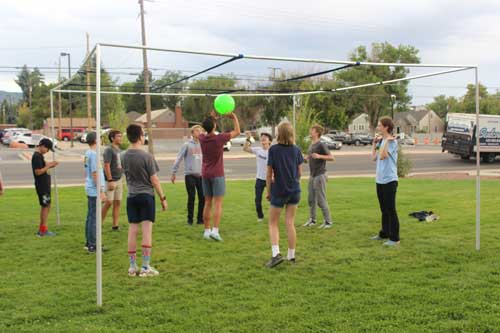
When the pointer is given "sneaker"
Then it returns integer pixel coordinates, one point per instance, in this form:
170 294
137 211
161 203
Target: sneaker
200 222
190 223
216 237
86 247
149 271
310 223
376 238
326 225
133 271
275 261
391 243
207 236
45 234
91 249
260 220
115 228
291 261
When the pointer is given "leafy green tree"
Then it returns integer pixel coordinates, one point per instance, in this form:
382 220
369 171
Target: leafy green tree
27 78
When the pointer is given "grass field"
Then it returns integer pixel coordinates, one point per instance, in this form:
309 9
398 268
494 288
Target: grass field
435 280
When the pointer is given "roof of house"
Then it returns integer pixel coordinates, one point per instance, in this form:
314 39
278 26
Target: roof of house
410 117
155 115
133 115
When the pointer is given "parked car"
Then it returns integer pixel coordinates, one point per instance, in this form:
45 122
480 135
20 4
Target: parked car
241 139
405 139
330 143
337 135
65 133
31 140
228 145
359 139
10 133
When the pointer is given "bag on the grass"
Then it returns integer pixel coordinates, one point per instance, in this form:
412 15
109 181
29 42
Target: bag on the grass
425 216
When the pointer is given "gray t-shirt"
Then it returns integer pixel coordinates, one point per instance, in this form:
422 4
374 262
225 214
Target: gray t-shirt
317 167
139 166
111 155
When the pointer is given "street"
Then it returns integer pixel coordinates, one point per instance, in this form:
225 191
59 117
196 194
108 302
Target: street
353 161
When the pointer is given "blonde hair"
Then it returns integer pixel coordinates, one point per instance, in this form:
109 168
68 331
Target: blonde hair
196 127
285 134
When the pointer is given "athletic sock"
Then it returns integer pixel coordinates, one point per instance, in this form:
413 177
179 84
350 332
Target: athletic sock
207 232
215 231
146 256
276 250
43 228
132 256
291 254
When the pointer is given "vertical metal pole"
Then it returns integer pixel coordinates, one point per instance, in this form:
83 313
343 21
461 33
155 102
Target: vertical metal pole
87 78
70 106
99 172
54 172
294 117
478 167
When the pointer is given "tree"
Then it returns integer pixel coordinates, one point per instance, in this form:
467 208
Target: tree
27 78
375 101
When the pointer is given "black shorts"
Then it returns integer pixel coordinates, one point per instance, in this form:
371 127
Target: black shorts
44 198
141 208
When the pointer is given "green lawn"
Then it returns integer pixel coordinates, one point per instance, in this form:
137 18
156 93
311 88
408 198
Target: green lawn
435 281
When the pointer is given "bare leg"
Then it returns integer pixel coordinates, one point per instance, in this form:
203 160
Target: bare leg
290 225
133 230
105 209
207 211
274 230
116 212
147 233
218 210
44 215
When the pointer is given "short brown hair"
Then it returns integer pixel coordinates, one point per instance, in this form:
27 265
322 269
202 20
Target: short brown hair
134 133
285 134
387 122
112 134
196 127
318 128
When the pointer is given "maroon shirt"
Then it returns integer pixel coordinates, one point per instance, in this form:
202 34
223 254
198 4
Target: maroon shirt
212 148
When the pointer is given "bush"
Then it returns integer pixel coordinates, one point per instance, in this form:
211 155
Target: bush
404 163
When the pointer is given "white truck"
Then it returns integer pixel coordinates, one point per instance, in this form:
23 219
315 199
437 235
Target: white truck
460 136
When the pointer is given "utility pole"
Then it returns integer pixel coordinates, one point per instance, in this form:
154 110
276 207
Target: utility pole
30 92
146 81
273 132
69 99
59 104
87 75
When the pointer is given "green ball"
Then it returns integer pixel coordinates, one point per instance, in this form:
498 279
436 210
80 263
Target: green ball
224 104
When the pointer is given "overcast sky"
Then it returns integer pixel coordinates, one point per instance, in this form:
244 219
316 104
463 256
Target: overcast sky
34 32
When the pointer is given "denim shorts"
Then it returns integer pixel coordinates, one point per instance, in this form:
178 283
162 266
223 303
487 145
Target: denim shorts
214 187
280 201
140 208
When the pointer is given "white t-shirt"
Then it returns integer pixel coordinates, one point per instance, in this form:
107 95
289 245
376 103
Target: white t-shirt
261 158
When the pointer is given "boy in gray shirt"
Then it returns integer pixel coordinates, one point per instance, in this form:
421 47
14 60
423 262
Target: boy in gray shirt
191 154
317 156
113 172
141 172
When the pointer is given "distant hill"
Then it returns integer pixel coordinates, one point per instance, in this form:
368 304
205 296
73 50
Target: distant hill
15 96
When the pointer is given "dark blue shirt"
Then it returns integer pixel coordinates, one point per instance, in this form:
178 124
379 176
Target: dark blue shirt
285 161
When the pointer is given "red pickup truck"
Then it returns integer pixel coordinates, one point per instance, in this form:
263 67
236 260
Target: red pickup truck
65 133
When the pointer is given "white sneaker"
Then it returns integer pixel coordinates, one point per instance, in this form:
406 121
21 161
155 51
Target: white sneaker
216 237
260 220
206 236
133 271
326 225
310 223
150 271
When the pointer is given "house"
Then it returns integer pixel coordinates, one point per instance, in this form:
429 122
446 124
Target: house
66 122
360 124
164 118
133 115
418 120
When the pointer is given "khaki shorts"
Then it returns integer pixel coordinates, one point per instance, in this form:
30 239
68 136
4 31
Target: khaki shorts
116 193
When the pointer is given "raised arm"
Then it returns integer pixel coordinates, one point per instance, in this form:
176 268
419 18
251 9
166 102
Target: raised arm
236 131
248 143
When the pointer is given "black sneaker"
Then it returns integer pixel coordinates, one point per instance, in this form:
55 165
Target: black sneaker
91 249
275 261
200 222
115 228
190 223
